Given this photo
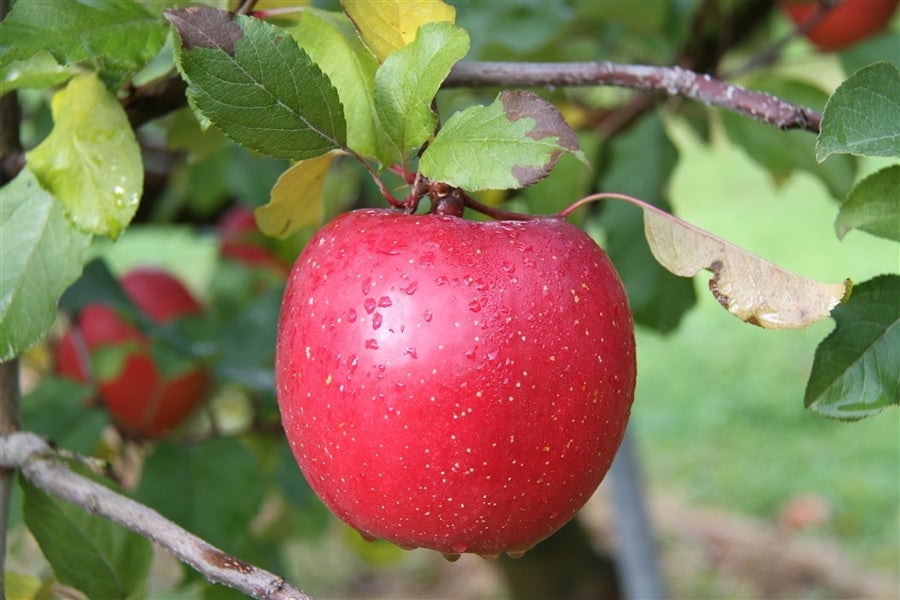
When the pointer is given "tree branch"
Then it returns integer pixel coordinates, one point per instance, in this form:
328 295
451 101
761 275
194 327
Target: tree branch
674 81
40 466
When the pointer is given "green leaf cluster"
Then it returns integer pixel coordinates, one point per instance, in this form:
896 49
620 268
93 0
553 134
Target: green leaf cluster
86 177
327 91
45 43
855 369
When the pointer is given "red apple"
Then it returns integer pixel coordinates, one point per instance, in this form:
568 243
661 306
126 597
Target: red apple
846 23
138 398
451 384
242 241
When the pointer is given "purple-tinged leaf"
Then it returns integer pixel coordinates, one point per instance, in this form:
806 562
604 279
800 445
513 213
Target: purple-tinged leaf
513 143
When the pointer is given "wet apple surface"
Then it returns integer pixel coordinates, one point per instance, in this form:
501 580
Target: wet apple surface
452 384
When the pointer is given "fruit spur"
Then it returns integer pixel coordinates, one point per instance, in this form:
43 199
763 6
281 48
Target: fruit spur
454 384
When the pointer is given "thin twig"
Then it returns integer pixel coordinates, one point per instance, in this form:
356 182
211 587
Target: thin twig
40 466
674 81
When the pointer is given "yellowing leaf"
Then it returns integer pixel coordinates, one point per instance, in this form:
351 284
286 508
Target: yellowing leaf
748 286
24 586
296 199
388 25
91 160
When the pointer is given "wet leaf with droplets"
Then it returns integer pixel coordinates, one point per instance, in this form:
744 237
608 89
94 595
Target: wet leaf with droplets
749 287
91 160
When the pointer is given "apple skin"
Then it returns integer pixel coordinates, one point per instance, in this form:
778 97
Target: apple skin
139 400
450 384
848 22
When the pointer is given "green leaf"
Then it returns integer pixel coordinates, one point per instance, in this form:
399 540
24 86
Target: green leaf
91 160
872 206
333 45
38 71
510 144
93 555
855 369
406 83
246 343
114 37
256 84
58 409
641 162
863 115
194 486
783 152
41 253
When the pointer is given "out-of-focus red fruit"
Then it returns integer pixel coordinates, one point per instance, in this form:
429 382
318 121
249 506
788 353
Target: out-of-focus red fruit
139 400
846 23
242 241
451 384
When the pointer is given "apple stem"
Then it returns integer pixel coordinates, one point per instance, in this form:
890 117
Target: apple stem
594 198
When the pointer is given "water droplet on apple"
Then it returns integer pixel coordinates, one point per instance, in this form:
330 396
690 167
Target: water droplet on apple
508 267
354 362
516 553
411 352
367 537
372 344
351 315
475 305
442 280
369 305
376 321
459 547
451 557
492 556
411 288
367 286
427 316
400 386
384 302
470 353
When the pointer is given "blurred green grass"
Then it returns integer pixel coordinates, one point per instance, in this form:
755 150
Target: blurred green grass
719 411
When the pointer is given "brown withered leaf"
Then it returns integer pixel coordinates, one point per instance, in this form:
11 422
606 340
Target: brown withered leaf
749 287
